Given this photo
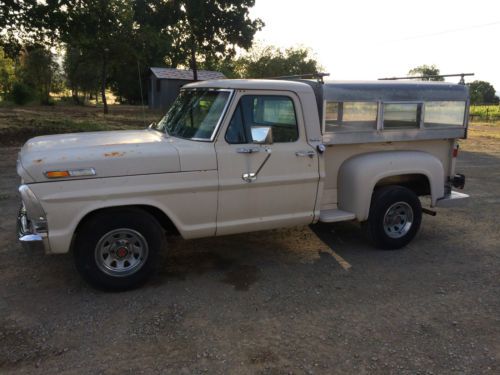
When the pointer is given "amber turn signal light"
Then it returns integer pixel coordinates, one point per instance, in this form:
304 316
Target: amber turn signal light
57 174
71 173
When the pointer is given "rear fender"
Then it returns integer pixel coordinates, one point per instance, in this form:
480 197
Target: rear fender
359 175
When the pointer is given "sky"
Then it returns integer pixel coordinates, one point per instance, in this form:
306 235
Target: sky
362 39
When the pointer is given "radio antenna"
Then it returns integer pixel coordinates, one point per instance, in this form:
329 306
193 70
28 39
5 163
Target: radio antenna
142 97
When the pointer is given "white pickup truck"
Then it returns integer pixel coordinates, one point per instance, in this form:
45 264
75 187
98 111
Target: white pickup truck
235 156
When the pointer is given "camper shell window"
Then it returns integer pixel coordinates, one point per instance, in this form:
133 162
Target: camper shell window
444 113
351 116
402 115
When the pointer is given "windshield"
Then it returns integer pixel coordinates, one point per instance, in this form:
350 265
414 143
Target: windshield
195 114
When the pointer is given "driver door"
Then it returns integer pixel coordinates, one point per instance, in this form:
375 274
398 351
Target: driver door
265 183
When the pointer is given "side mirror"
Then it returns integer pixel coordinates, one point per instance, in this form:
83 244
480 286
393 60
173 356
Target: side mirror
262 135
152 125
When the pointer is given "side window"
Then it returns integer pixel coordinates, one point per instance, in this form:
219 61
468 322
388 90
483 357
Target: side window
441 114
350 116
277 112
402 115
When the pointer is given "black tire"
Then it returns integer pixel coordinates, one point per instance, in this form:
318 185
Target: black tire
131 230
393 234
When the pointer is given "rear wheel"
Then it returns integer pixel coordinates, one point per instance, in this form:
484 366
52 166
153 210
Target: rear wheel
395 217
117 249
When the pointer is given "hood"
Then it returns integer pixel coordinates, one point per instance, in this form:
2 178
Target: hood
111 154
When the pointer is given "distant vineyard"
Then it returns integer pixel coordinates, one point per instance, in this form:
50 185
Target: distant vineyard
485 112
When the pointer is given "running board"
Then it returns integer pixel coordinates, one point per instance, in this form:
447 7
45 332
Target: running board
332 216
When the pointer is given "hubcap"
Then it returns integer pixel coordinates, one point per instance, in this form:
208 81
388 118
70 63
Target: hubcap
398 220
121 252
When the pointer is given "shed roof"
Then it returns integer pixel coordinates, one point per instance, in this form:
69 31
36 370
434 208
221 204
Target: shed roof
185 74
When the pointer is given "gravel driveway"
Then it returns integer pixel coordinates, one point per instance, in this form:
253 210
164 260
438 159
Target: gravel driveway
276 302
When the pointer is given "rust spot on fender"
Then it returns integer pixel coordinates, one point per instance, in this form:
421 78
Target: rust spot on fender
114 154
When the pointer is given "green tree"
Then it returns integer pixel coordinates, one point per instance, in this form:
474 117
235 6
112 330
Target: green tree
81 73
27 22
123 38
117 36
482 92
212 29
99 28
106 37
21 93
426 71
39 70
274 62
6 74
149 43
230 67
10 16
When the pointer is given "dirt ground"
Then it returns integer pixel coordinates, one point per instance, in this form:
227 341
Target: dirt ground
277 302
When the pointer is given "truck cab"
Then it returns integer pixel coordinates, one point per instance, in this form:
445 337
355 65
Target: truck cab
234 156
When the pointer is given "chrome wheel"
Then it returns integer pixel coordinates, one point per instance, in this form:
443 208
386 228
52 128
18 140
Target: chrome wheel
121 252
398 220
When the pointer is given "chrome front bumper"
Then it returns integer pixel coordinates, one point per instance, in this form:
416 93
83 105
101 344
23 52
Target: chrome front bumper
27 235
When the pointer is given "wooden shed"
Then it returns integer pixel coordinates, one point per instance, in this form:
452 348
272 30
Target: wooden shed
165 83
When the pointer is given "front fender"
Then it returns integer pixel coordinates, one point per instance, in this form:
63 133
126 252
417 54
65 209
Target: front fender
188 199
358 176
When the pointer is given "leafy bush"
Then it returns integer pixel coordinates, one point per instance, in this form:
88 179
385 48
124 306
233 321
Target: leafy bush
482 92
21 93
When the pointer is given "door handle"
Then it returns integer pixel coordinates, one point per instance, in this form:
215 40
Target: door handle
310 153
247 150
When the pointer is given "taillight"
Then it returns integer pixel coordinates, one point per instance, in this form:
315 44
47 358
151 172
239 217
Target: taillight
455 151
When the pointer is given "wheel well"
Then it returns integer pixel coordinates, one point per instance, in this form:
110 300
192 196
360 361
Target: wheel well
418 183
158 214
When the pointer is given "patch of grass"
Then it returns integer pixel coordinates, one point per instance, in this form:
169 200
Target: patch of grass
485 124
19 123
6 104
482 137
65 125
485 132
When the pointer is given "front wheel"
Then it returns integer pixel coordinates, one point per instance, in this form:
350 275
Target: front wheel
395 217
117 249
